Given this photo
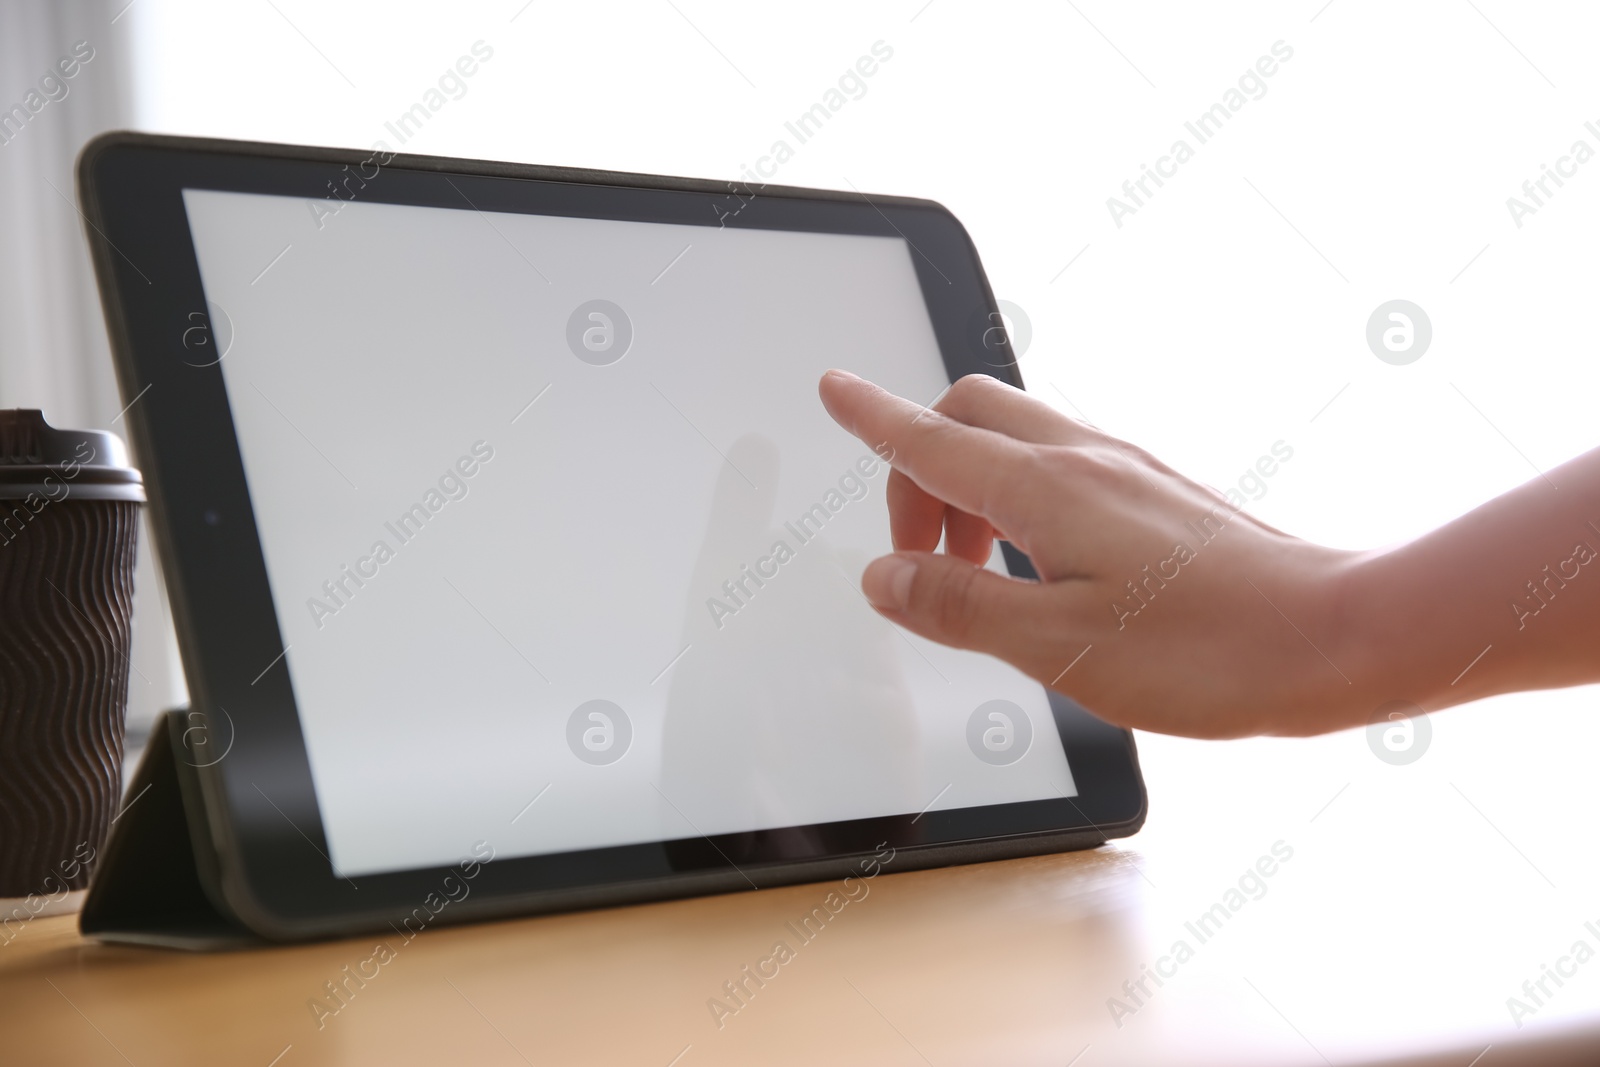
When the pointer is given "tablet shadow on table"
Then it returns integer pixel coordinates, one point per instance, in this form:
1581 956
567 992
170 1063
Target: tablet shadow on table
796 703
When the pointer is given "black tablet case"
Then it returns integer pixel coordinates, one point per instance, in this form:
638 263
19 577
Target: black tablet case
158 883
157 880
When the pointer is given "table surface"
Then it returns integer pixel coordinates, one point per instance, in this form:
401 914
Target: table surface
1413 903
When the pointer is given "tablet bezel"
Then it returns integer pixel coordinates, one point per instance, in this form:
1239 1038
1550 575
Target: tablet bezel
270 850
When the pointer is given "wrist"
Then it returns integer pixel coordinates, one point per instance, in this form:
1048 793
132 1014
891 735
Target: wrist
1392 636
1339 595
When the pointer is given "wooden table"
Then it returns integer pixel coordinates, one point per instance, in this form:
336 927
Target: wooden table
1416 900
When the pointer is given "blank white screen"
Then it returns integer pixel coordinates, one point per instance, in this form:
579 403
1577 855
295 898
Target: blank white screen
371 353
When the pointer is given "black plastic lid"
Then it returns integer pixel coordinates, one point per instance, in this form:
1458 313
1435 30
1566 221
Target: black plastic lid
37 458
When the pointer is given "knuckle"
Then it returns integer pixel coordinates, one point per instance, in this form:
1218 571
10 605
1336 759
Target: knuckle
963 389
965 395
1014 491
1139 457
1062 463
1086 464
953 605
937 426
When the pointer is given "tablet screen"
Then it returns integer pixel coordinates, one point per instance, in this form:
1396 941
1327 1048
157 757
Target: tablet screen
565 552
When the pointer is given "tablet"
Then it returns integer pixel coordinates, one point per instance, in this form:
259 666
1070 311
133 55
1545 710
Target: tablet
504 531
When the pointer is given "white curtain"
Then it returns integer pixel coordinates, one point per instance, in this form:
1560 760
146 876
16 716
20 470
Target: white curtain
53 350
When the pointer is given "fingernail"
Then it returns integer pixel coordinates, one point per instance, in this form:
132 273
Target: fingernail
836 373
887 582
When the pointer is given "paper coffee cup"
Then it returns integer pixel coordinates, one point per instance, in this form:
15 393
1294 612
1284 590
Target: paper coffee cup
69 522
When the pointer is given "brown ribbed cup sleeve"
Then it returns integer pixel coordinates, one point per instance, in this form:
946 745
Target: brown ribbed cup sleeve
66 606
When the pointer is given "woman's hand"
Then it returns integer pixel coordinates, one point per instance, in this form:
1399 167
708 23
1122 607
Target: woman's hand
1159 605
1162 606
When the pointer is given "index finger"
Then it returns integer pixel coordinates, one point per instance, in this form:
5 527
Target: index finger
977 470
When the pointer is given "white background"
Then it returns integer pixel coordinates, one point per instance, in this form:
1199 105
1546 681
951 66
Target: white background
1205 329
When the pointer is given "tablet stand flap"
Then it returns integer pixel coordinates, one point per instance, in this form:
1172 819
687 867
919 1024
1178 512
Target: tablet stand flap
147 886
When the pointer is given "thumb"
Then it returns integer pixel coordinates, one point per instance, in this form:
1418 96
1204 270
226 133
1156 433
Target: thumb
948 600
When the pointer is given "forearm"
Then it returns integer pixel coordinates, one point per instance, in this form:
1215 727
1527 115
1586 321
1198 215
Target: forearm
1505 598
